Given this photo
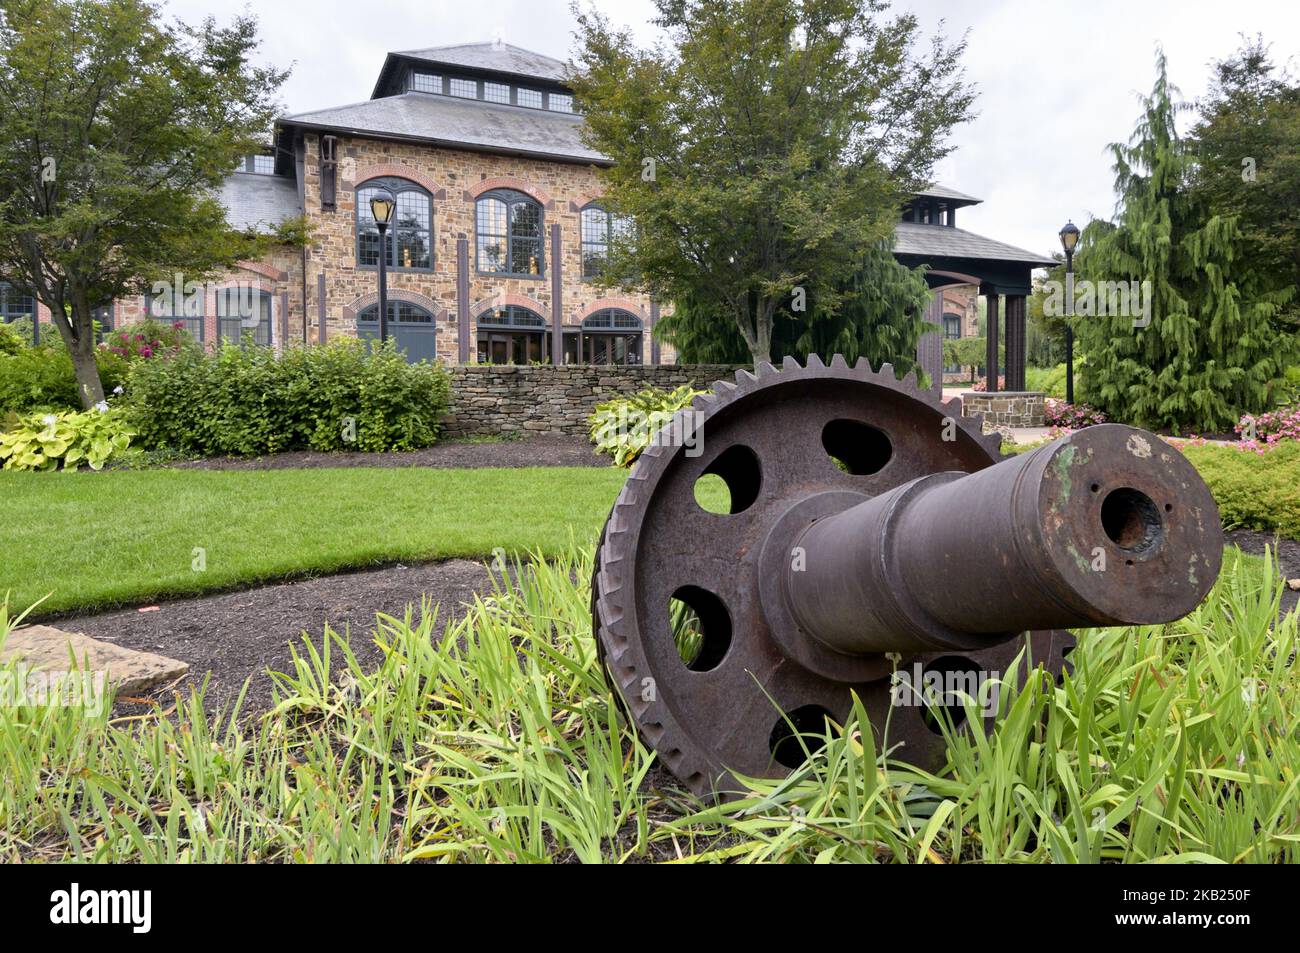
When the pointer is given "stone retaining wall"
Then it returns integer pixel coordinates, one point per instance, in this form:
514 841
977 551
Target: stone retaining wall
1005 408
497 399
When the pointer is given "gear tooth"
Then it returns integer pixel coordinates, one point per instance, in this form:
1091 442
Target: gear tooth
723 388
815 362
838 363
909 381
862 368
744 378
791 363
952 407
887 370
764 370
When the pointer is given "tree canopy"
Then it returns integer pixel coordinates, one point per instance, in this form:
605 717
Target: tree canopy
763 150
116 128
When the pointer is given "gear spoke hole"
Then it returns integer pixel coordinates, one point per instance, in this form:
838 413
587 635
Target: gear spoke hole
855 447
701 627
945 683
790 746
730 483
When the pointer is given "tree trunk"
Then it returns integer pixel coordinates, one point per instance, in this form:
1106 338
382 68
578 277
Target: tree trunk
79 336
83 362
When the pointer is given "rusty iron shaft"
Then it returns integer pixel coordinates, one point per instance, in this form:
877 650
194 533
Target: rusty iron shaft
1106 526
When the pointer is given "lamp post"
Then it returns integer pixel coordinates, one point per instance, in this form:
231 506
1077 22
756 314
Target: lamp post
381 207
1069 238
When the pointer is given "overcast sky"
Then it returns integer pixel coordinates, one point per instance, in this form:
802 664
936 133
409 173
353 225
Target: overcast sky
1057 80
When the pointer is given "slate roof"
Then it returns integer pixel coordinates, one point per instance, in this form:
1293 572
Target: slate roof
466 123
943 192
257 203
941 241
495 57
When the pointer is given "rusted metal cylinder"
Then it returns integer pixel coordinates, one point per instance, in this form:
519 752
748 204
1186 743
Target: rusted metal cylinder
1106 526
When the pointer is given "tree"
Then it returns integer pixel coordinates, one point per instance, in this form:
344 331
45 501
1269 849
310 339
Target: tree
1211 345
115 131
764 149
879 316
1247 142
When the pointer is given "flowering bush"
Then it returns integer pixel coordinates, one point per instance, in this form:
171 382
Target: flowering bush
1261 432
148 338
48 441
1058 413
983 384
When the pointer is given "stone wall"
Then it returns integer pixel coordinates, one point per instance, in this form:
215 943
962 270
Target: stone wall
1005 408
488 399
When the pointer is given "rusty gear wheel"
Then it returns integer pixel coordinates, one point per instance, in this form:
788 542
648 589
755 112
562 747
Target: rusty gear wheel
792 446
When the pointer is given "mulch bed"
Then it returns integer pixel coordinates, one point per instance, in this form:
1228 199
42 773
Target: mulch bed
1287 553
541 451
240 635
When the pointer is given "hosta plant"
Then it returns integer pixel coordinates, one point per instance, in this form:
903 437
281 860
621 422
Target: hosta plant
65 440
625 426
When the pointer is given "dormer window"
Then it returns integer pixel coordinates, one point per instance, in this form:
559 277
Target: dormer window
426 83
496 92
529 97
561 103
465 88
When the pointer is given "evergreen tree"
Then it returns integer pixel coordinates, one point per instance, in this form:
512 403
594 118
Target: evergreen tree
1211 346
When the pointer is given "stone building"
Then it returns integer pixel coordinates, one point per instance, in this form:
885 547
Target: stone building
498 230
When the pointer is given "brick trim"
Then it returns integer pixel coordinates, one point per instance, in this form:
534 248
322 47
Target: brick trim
501 300
263 269
582 201
261 284
511 182
359 304
398 171
623 304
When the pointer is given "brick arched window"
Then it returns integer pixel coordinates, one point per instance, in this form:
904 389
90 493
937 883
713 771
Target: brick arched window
409 240
509 234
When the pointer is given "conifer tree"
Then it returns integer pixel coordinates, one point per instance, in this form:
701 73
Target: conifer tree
1211 345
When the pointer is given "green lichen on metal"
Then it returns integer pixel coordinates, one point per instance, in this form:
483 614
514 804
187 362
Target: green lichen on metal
1079 561
1064 460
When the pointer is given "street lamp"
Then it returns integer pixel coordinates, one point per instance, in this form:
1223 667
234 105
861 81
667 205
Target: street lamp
382 204
1069 239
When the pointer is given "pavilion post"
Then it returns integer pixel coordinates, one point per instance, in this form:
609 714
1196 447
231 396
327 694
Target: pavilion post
1015 322
991 333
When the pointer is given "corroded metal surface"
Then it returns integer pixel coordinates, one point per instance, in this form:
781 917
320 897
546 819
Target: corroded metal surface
873 531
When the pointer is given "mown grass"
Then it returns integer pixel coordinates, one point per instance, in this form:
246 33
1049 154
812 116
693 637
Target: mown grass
502 744
85 540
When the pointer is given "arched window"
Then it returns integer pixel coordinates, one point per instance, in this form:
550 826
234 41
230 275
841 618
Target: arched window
244 315
509 233
599 228
951 326
410 326
611 336
512 335
409 239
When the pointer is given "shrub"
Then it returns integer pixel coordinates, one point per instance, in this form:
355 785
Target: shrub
1259 491
623 427
1271 427
251 401
1057 413
42 378
50 441
146 339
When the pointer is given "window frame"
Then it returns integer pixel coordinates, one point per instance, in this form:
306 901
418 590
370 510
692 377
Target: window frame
511 198
267 320
185 319
398 186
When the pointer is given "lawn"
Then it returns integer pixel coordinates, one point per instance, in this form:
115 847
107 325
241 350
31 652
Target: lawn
101 539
